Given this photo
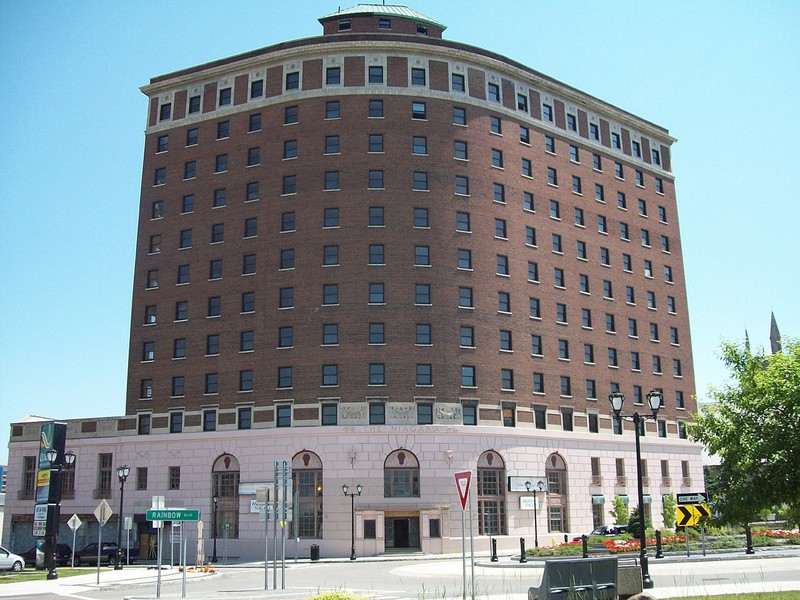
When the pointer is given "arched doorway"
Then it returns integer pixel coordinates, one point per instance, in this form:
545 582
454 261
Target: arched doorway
491 494
557 494
307 479
225 487
401 480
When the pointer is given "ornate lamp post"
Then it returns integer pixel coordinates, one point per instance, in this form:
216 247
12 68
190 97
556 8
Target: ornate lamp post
352 495
654 399
122 474
215 499
539 488
50 559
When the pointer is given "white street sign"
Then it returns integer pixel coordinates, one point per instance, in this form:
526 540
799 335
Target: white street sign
74 522
103 512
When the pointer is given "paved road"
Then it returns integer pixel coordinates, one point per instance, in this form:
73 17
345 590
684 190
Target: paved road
423 578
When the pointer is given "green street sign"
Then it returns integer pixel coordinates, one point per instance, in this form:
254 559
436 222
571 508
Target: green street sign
173 514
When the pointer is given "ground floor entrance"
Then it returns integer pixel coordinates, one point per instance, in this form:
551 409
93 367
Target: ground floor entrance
402 531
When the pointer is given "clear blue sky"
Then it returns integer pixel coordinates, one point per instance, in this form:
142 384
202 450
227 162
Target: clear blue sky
723 77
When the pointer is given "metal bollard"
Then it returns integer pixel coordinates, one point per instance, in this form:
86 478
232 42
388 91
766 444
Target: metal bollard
494 550
749 537
659 553
585 541
522 557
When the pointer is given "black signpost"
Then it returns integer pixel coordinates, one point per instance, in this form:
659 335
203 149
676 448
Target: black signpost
52 439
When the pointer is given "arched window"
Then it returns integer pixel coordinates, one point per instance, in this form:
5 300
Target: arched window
225 486
401 475
557 494
307 479
491 494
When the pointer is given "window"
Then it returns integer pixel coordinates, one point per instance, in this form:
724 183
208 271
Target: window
636 149
662 214
330 294
330 334
594 131
630 296
423 334
557 245
422 294
175 422
552 176
547 112
221 163
566 413
211 383
165 111
467 336
651 300
286 298
330 375
676 367
225 96
376 293
178 348
586 318
424 413
292 80
506 343
550 144
424 375
536 344
538 383
375 74
421 217
376 254
143 427
671 305
287 259
163 143
572 122
530 236
462 185
635 362
141 477
418 110
522 102
465 297
331 180
588 354
246 381
463 222
209 420
288 220
563 349
459 116
610 325
497 158
500 229
495 125
613 360
460 150
503 302
330 414
375 181
420 182
333 75
639 178
624 232
377 374
284 377
377 333
591 389
377 413
558 277
332 144
470 414
246 343
527 168
376 216
502 264
468 376
534 308
659 185
493 92
253 157
417 76
375 109
673 336
214 306
574 153
283 415
285 336
457 83
561 313
583 282
580 246
627 263
330 256
656 364
524 135
579 217
251 227
330 217
622 201
181 310
291 115
608 291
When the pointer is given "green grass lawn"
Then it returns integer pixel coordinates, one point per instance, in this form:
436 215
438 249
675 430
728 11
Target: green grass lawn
34 575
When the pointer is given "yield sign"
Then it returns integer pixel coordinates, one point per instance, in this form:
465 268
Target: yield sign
463 480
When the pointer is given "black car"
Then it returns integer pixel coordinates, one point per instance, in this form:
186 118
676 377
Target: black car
35 556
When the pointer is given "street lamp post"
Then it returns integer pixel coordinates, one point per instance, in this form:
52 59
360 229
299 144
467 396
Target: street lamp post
50 559
122 474
654 399
540 486
352 495
215 499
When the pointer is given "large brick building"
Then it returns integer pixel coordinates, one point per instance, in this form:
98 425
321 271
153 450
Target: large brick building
390 257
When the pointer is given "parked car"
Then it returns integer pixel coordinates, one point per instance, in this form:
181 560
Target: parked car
605 530
35 556
108 555
10 561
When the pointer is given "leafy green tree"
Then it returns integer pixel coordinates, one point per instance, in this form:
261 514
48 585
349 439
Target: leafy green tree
619 511
754 428
669 513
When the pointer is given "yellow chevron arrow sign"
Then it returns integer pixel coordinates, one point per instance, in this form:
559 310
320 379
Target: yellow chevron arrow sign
690 514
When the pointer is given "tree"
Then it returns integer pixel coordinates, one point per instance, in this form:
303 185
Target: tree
620 511
669 512
633 523
754 428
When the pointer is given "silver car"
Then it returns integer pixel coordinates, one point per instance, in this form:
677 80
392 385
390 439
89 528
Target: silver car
10 561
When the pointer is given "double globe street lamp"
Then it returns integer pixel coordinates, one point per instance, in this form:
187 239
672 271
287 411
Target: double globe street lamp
56 468
539 488
122 474
654 400
352 495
